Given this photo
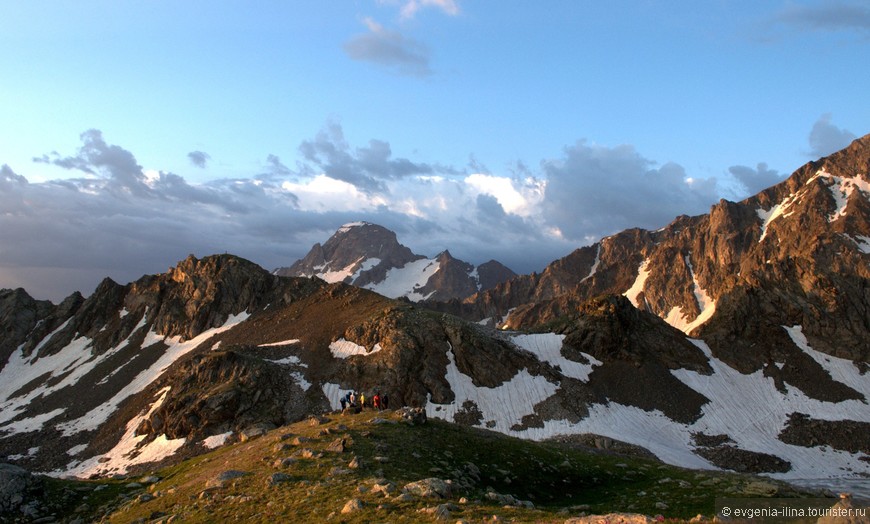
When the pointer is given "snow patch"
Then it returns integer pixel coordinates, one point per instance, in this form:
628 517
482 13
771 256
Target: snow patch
129 450
779 210
350 225
75 450
27 425
71 362
282 343
502 406
706 305
300 380
332 392
176 349
407 280
31 452
862 242
548 348
342 349
840 369
637 288
216 441
342 274
730 392
292 360
841 189
365 266
594 264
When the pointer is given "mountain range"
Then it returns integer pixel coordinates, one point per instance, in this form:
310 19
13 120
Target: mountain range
369 256
732 340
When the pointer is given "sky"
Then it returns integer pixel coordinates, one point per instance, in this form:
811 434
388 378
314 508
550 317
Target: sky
135 133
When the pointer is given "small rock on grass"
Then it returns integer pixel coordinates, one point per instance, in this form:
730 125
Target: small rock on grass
352 506
278 478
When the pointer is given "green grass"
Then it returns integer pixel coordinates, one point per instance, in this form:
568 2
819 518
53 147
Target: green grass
559 480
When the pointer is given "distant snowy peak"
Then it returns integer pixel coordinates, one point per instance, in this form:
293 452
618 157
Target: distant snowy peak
370 256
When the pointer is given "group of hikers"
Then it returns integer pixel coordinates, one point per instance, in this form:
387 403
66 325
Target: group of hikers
352 400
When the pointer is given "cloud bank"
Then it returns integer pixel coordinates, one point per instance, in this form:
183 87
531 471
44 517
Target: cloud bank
109 216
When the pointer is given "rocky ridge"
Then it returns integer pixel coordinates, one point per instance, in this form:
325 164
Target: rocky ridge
795 254
218 349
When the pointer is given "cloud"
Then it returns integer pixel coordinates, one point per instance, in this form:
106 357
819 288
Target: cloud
826 138
755 180
95 157
198 159
69 233
366 168
410 8
389 49
595 191
829 16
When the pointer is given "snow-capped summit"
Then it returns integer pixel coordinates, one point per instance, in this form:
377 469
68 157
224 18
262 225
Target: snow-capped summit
369 256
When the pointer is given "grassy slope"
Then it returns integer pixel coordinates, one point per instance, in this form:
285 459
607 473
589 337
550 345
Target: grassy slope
561 482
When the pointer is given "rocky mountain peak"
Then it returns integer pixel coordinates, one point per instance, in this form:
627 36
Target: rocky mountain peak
370 256
796 254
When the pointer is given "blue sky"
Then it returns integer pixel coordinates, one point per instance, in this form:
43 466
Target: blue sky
134 133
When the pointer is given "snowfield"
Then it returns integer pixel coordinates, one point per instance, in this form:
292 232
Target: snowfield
747 408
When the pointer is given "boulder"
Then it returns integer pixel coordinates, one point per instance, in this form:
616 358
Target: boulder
352 506
15 484
429 488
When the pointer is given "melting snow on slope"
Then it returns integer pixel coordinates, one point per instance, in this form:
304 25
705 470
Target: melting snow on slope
706 304
548 348
216 441
282 343
863 243
176 349
129 450
637 288
333 394
730 392
72 362
594 264
841 189
779 210
342 348
502 406
407 280
840 369
340 275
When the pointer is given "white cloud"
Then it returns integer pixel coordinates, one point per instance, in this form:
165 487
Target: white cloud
523 201
410 8
324 193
